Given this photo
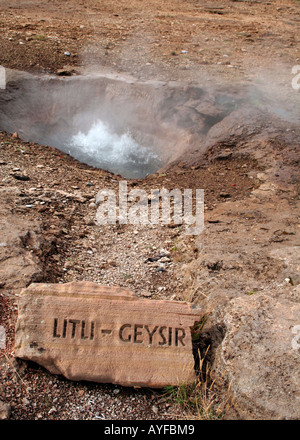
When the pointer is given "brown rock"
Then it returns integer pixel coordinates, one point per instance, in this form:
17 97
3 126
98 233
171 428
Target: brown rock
106 334
4 411
259 356
65 71
18 265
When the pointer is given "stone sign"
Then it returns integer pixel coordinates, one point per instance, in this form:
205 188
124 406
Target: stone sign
85 331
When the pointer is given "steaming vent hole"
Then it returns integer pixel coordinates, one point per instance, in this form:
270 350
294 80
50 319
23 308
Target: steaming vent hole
124 126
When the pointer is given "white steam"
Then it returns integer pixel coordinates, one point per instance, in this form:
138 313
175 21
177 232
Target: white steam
102 148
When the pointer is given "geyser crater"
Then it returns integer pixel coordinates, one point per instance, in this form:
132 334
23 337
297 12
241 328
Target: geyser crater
117 123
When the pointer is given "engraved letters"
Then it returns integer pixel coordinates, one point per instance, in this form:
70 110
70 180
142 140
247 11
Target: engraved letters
159 336
86 331
73 328
128 333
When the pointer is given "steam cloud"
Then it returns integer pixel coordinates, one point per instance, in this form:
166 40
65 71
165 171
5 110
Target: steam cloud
134 128
116 153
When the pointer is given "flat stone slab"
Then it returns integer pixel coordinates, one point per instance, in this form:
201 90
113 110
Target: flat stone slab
85 331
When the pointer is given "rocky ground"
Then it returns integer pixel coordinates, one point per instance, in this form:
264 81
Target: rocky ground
243 269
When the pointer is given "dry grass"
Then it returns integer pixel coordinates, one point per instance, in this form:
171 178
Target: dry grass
201 400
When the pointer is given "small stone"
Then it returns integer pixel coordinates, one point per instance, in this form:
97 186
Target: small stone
262 177
225 195
146 294
155 409
21 177
223 156
165 259
64 72
4 411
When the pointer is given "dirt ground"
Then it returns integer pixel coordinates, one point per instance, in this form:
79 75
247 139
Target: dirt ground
167 39
47 206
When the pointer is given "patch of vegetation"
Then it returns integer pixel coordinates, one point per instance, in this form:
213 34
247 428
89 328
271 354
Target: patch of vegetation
200 400
197 328
40 37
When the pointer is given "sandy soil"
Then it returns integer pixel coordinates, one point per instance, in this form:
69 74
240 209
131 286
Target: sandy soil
169 39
